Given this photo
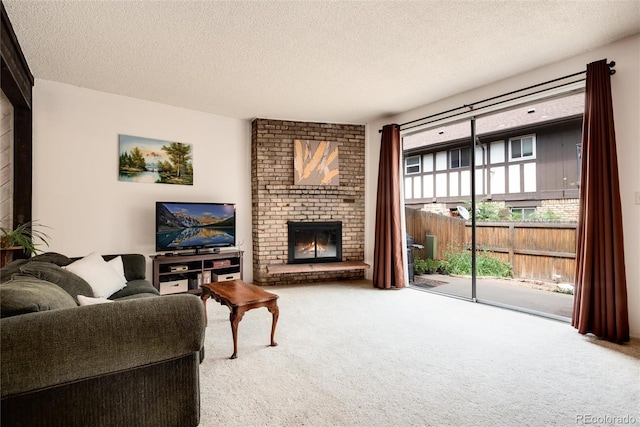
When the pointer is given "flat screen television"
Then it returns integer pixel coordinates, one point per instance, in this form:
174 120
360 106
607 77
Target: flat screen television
187 226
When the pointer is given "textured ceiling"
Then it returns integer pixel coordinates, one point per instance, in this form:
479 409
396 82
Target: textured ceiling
327 61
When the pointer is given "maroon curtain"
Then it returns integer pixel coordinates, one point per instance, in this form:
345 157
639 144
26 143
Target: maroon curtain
388 268
600 301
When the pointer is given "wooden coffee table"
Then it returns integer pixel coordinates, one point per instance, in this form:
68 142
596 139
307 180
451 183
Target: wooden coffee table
241 297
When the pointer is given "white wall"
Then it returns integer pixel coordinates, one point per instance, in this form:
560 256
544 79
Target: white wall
76 190
626 104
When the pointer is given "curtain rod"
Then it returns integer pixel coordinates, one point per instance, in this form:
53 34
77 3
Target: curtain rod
471 106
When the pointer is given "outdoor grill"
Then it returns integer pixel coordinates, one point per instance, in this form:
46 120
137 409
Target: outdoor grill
410 247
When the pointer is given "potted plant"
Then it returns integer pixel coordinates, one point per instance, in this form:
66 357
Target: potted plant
23 238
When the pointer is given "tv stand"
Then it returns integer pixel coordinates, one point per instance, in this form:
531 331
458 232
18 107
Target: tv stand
186 273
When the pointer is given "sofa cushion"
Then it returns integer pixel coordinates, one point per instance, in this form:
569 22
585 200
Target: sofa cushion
70 282
135 287
54 258
103 278
10 269
26 294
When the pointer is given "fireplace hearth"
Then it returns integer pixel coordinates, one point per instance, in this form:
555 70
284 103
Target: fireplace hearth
311 242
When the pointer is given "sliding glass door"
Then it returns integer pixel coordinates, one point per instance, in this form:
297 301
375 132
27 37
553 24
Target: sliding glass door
506 184
438 194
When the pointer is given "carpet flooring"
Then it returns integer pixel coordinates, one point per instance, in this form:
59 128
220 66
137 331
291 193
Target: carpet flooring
352 355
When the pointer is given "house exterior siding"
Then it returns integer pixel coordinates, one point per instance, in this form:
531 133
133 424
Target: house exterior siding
550 171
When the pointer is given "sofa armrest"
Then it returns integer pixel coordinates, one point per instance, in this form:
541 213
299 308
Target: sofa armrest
55 347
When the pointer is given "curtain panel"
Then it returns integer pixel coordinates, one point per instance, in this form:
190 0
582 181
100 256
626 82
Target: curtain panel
388 266
600 297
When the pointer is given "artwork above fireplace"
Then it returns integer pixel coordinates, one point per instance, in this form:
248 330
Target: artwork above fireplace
311 242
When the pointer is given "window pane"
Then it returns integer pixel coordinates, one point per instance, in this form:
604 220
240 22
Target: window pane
408 193
496 150
579 153
427 162
441 160
465 157
515 149
455 158
412 164
481 155
527 147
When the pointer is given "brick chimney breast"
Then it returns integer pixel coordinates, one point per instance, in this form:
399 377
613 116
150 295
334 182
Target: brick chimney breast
276 200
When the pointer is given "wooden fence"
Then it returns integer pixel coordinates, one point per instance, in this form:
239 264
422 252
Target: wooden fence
536 250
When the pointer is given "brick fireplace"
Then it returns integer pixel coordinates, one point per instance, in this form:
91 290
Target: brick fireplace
277 201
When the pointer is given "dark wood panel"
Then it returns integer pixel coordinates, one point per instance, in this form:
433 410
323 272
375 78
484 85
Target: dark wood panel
17 83
17 80
23 166
557 158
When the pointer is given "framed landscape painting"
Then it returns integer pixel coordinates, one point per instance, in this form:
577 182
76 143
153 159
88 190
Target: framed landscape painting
155 161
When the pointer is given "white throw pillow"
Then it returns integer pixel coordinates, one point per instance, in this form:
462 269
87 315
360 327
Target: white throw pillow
103 278
117 264
82 300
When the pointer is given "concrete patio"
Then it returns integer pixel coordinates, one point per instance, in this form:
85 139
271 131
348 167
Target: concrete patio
529 295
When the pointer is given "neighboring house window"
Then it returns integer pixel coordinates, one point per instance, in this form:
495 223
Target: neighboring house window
579 152
459 158
523 147
412 165
522 213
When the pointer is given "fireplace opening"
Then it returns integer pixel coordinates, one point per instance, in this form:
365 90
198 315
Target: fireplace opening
311 242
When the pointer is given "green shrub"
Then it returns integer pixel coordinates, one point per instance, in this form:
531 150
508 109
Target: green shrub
485 211
459 263
550 215
546 216
490 211
426 266
516 216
